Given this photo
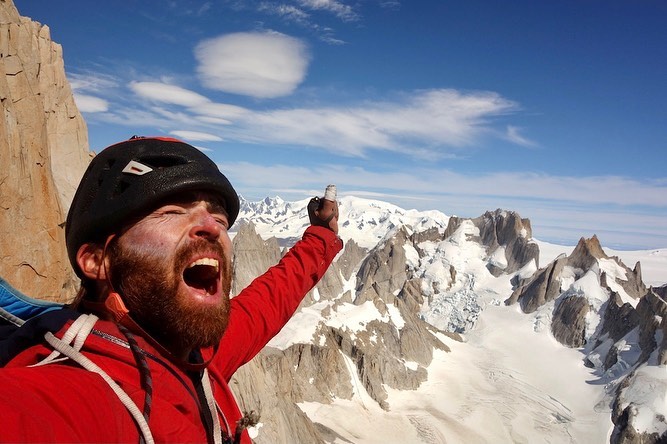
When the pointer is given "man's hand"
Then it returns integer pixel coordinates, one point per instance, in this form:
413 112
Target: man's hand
323 213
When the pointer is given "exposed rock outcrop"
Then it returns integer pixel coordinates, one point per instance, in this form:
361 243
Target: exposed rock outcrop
260 386
660 291
504 233
586 253
619 318
545 284
383 272
625 415
43 151
252 256
381 354
569 321
633 285
652 313
543 287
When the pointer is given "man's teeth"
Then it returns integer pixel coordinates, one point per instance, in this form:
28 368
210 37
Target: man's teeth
206 261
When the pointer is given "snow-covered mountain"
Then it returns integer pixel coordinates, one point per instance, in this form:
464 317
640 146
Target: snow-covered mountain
430 328
363 220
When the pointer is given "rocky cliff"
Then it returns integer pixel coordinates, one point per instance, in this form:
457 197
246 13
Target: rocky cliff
43 153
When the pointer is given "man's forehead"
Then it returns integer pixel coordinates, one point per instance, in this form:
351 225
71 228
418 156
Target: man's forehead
216 202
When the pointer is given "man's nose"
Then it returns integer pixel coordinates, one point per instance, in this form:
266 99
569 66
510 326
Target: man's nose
205 225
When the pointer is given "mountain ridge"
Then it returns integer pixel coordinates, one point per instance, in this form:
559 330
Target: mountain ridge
445 275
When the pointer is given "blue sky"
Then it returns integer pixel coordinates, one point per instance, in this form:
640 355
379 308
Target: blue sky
557 110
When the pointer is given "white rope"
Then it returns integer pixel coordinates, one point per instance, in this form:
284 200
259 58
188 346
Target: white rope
77 333
89 365
213 408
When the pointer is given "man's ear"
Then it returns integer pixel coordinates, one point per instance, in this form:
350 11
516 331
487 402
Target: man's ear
90 259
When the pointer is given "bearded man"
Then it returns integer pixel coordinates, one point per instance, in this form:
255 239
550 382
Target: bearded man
147 350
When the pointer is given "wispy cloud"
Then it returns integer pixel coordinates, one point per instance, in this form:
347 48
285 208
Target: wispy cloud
429 124
90 104
390 4
582 191
305 14
92 81
425 123
195 136
167 93
288 12
514 136
257 64
339 9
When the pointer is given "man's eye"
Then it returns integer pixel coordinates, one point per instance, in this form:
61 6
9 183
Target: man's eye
173 211
222 221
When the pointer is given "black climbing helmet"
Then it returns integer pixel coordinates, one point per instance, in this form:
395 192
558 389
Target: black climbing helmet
130 178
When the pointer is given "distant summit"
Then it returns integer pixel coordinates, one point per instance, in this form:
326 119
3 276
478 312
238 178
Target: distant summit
364 220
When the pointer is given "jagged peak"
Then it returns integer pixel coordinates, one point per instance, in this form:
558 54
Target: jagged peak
586 253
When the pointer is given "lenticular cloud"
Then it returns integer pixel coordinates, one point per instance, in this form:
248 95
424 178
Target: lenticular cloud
263 65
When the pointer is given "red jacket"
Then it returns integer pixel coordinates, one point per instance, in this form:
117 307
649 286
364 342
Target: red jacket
62 402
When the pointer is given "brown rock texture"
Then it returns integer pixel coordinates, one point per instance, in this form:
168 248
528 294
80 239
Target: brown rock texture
43 153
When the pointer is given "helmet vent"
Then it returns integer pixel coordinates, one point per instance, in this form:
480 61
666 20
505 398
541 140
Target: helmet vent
120 188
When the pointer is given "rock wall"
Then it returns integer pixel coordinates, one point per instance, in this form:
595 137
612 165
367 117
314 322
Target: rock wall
43 153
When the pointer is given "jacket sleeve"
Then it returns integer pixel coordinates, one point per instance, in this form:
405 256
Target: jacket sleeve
261 310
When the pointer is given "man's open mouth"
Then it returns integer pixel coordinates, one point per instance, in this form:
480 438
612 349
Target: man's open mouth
203 274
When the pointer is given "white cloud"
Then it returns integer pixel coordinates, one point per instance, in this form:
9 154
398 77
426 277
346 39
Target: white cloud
166 93
257 64
90 104
339 9
196 136
427 124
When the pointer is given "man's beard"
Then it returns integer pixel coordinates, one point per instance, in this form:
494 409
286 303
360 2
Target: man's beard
149 289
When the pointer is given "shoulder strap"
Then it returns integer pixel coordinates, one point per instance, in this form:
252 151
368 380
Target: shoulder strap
16 307
25 320
70 346
14 339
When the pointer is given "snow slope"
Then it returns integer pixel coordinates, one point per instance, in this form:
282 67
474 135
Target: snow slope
509 381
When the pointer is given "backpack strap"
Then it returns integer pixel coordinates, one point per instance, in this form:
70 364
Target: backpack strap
25 321
70 346
16 307
14 339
